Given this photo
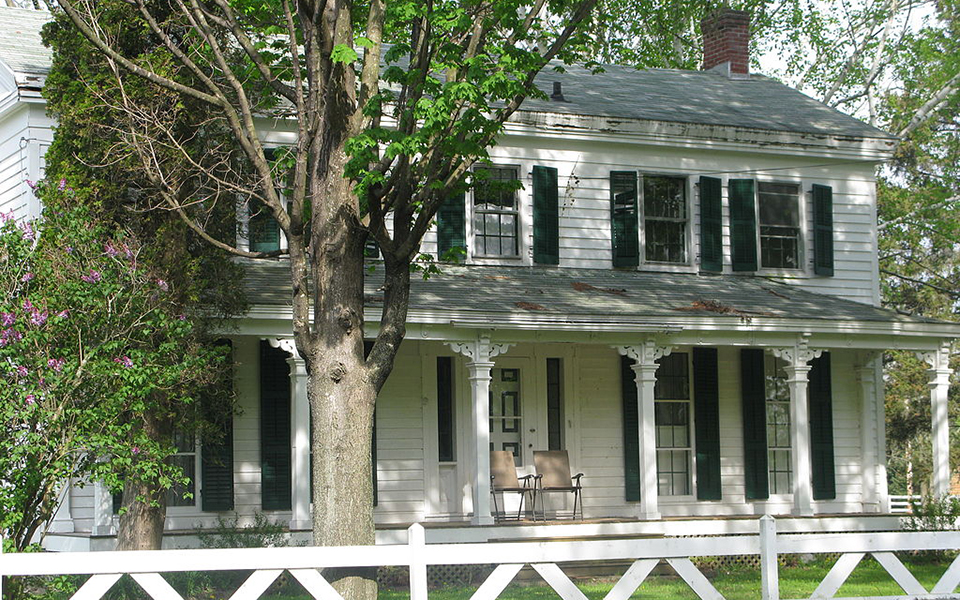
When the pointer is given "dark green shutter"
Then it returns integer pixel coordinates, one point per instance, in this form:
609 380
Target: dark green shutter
754 403
711 225
743 225
445 424
707 423
631 431
624 227
216 457
823 230
821 429
554 404
275 449
451 225
546 216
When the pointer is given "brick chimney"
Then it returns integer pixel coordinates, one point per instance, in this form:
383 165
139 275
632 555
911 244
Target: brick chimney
726 39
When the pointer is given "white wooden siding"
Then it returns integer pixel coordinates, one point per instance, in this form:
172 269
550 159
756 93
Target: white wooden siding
19 164
584 170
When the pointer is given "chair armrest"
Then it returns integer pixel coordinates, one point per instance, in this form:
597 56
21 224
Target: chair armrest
576 478
527 477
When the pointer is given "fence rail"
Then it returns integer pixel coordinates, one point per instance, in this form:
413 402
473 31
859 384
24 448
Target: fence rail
901 504
146 568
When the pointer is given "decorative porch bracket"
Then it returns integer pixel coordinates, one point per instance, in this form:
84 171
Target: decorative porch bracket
645 356
301 493
797 379
480 353
939 383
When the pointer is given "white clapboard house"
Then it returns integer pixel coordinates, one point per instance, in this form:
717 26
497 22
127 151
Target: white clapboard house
683 296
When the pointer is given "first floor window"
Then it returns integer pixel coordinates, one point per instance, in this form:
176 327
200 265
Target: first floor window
779 465
496 218
184 494
665 219
672 419
779 205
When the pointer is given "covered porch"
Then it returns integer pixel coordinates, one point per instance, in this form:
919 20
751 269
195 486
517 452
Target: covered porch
680 397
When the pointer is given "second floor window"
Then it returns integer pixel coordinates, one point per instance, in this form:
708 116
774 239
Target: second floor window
779 212
496 218
665 219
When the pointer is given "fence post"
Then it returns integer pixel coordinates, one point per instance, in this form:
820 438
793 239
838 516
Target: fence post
769 570
416 540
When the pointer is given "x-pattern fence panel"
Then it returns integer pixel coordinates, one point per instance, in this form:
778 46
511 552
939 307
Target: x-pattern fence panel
305 563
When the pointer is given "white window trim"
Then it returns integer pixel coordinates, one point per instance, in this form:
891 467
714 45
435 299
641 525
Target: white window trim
801 237
524 249
692 496
688 231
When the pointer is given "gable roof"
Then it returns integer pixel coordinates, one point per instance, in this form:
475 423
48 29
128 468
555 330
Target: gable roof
665 95
21 49
695 97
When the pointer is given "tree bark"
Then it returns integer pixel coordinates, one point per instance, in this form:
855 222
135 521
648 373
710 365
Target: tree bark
144 506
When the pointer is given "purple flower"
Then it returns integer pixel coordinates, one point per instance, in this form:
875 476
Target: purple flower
26 277
9 336
56 364
93 277
69 249
63 314
110 250
163 285
62 185
22 371
27 228
136 449
182 317
6 217
127 250
38 318
32 185
8 319
126 361
27 305
30 400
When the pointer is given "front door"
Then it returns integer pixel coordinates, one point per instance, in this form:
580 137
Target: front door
506 412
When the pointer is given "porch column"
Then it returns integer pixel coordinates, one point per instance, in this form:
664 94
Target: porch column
867 379
301 494
797 377
939 383
481 353
645 368
102 511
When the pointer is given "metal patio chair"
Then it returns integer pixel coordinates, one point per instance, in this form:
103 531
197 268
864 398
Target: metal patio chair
553 475
503 478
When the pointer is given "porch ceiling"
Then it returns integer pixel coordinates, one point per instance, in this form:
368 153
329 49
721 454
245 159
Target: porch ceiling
545 297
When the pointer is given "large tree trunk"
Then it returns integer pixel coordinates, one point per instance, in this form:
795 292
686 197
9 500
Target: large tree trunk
144 506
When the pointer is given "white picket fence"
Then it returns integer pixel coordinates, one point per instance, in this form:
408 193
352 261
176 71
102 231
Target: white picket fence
546 558
901 504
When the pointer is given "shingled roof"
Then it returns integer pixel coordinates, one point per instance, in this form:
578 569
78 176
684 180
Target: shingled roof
594 294
21 48
666 95
695 97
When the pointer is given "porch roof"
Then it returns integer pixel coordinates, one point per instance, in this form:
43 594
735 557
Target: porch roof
503 294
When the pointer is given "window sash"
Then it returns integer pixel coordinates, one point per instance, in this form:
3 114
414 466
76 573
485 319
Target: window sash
778 208
665 219
496 219
186 459
779 447
673 426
